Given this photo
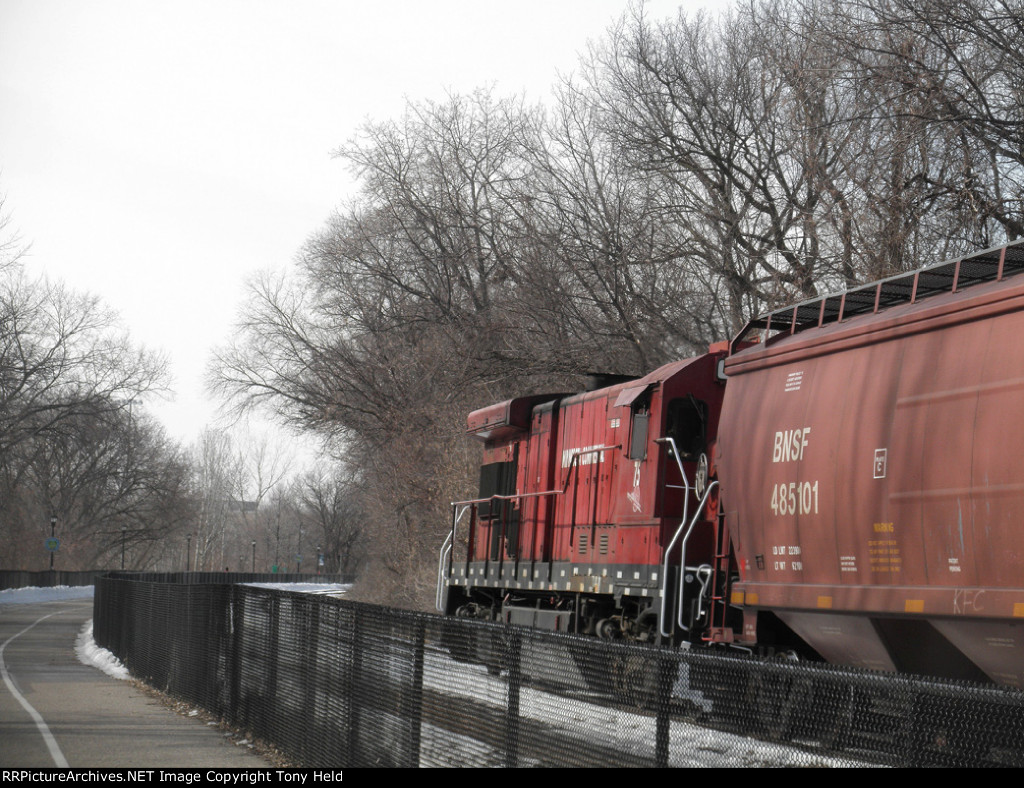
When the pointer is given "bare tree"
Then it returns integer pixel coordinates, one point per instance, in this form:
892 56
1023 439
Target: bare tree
216 469
69 445
952 71
62 354
697 106
330 499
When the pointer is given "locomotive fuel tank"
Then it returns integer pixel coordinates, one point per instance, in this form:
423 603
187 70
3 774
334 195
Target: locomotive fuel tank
871 458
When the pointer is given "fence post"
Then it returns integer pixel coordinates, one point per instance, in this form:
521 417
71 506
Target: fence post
237 617
513 662
413 701
311 664
666 674
273 646
355 668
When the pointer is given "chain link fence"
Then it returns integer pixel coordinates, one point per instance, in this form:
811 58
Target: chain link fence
333 683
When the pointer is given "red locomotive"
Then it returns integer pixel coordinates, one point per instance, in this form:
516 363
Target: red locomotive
845 478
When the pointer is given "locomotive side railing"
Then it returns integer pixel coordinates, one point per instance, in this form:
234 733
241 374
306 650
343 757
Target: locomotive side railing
448 548
689 526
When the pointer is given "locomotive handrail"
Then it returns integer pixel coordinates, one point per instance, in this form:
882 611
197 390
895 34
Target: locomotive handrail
446 549
672 543
682 556
573 463
682 549
449 543
475 501
679 464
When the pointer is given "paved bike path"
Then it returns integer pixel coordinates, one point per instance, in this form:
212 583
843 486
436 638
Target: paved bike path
92 720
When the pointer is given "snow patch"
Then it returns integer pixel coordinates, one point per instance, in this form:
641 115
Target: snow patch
324 589
89 653
30 594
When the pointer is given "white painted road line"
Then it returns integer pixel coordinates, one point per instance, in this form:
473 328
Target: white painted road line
51 743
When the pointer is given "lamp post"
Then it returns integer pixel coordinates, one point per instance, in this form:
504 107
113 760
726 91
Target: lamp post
53 527
124 529
188 553
254 556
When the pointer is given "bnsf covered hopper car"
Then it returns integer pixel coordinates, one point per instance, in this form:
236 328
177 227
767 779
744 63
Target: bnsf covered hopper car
845 478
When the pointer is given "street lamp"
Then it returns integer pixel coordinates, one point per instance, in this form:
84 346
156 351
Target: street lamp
188 553
53 526
254 556
124 529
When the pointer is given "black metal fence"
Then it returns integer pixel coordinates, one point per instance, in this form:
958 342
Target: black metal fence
333 683
18 578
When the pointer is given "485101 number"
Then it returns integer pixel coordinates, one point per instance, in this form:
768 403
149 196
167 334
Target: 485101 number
795 498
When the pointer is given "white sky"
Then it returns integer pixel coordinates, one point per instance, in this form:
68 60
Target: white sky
158 154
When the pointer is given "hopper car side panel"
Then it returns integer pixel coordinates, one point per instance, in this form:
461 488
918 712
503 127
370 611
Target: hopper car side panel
906 542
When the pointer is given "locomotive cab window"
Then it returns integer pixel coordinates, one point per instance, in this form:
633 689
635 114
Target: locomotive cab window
638 439
499 478
640 416
496 478
686 423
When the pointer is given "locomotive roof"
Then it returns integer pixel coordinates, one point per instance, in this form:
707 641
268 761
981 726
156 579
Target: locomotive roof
504 419
949 276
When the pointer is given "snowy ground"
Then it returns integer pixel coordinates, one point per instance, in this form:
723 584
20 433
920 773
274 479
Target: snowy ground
86 650
16 596
691 745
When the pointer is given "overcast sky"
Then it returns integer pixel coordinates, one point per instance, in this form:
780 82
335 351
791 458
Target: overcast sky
158 154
